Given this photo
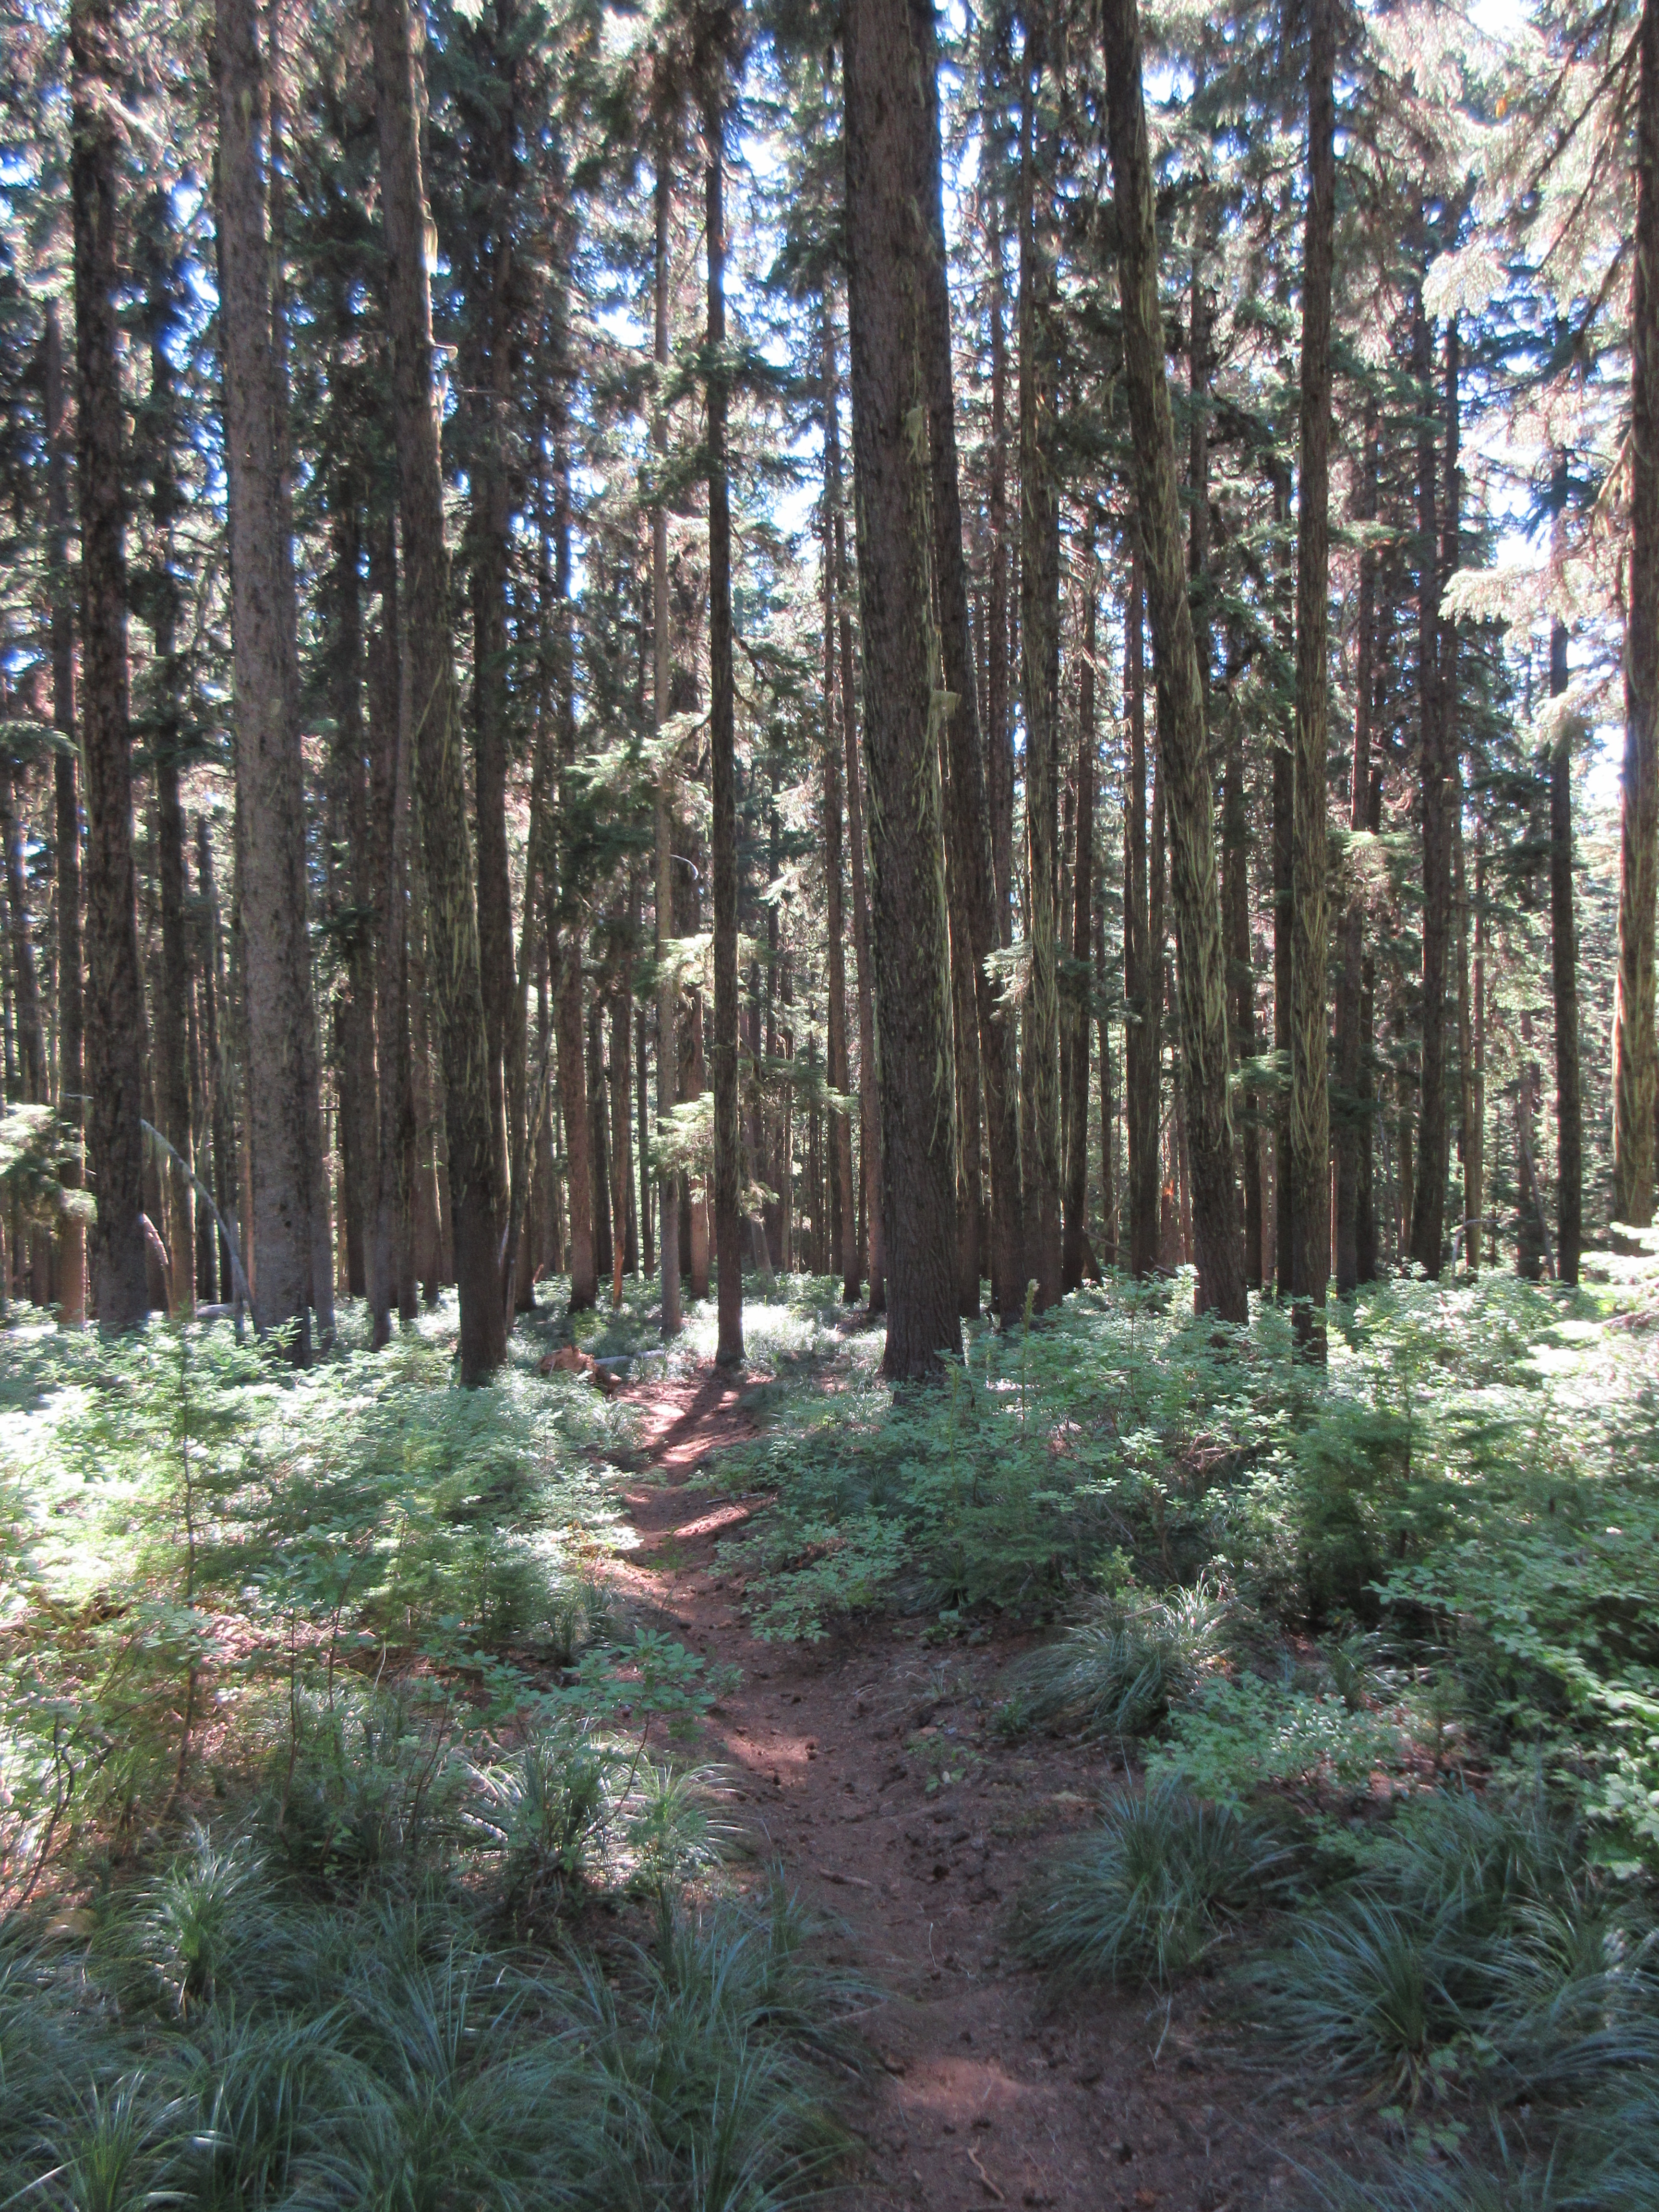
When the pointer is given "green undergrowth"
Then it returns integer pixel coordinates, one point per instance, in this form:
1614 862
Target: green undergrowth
350 1849
1377 1650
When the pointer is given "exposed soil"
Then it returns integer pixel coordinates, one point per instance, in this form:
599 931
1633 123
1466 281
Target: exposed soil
868 1769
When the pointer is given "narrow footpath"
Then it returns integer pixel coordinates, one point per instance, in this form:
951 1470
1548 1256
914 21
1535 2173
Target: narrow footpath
866 1768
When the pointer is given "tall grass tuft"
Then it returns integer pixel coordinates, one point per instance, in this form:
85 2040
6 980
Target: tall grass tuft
1145 1894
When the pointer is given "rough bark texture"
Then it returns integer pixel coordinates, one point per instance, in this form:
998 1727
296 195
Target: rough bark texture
1310 1127
875 1243
661 674
475 1193
1000 742
1634 1081
728 1134
987 1025
1433 1142
1039 635
1350 986
352 895
1564 963
271 820
1143 973
389 1243
1203 981
71 1236
1241 972
842 1255
114 992
889 60
171 1065
1076 1259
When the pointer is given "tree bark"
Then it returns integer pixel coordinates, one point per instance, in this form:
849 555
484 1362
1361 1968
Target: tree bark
1433 1143
1039 632
889 57
843 1256
271 820
999 741
1636 1075
989 1052
455 970
1142 969
353 887
1182 742
1350 987
1076 1257
1241 974
873 1260
1310 1126
667 986
728 1131
114 992
391 1272
1563 964
72 1235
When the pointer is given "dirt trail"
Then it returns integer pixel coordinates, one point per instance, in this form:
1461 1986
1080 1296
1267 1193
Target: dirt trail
867 1767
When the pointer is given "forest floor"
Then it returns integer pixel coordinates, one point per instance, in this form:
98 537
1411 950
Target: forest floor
865 1766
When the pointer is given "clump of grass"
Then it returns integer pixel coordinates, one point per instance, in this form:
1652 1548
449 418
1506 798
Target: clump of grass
1118 1672
1478 1943
1145 1895
387 2052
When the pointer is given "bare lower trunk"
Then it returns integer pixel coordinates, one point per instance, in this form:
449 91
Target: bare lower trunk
1352 1129
728 1135
1563 964
1438 784
889 75
1310 1133
1039 632
475 1194
114 992
667 987
1635 1077
1216 1225
987 1053
389 1267
842 1254
1143 967
71 1232
1075 1260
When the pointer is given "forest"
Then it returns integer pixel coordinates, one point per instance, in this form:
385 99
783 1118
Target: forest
829 1289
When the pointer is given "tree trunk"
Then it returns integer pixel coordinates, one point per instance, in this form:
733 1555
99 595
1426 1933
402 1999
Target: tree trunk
390 1270
999 740
1283 826
1437 705
889 149
989 1055
842 1255
270 796
1311 1124
728 1129
874 1257
454 970
667 986
1241 974
1143 967
1182 742
622 1080
115 1004
1564 963
354 895
1076 1257
1634 1082
1039 630
1350 987
564 924
71 1234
